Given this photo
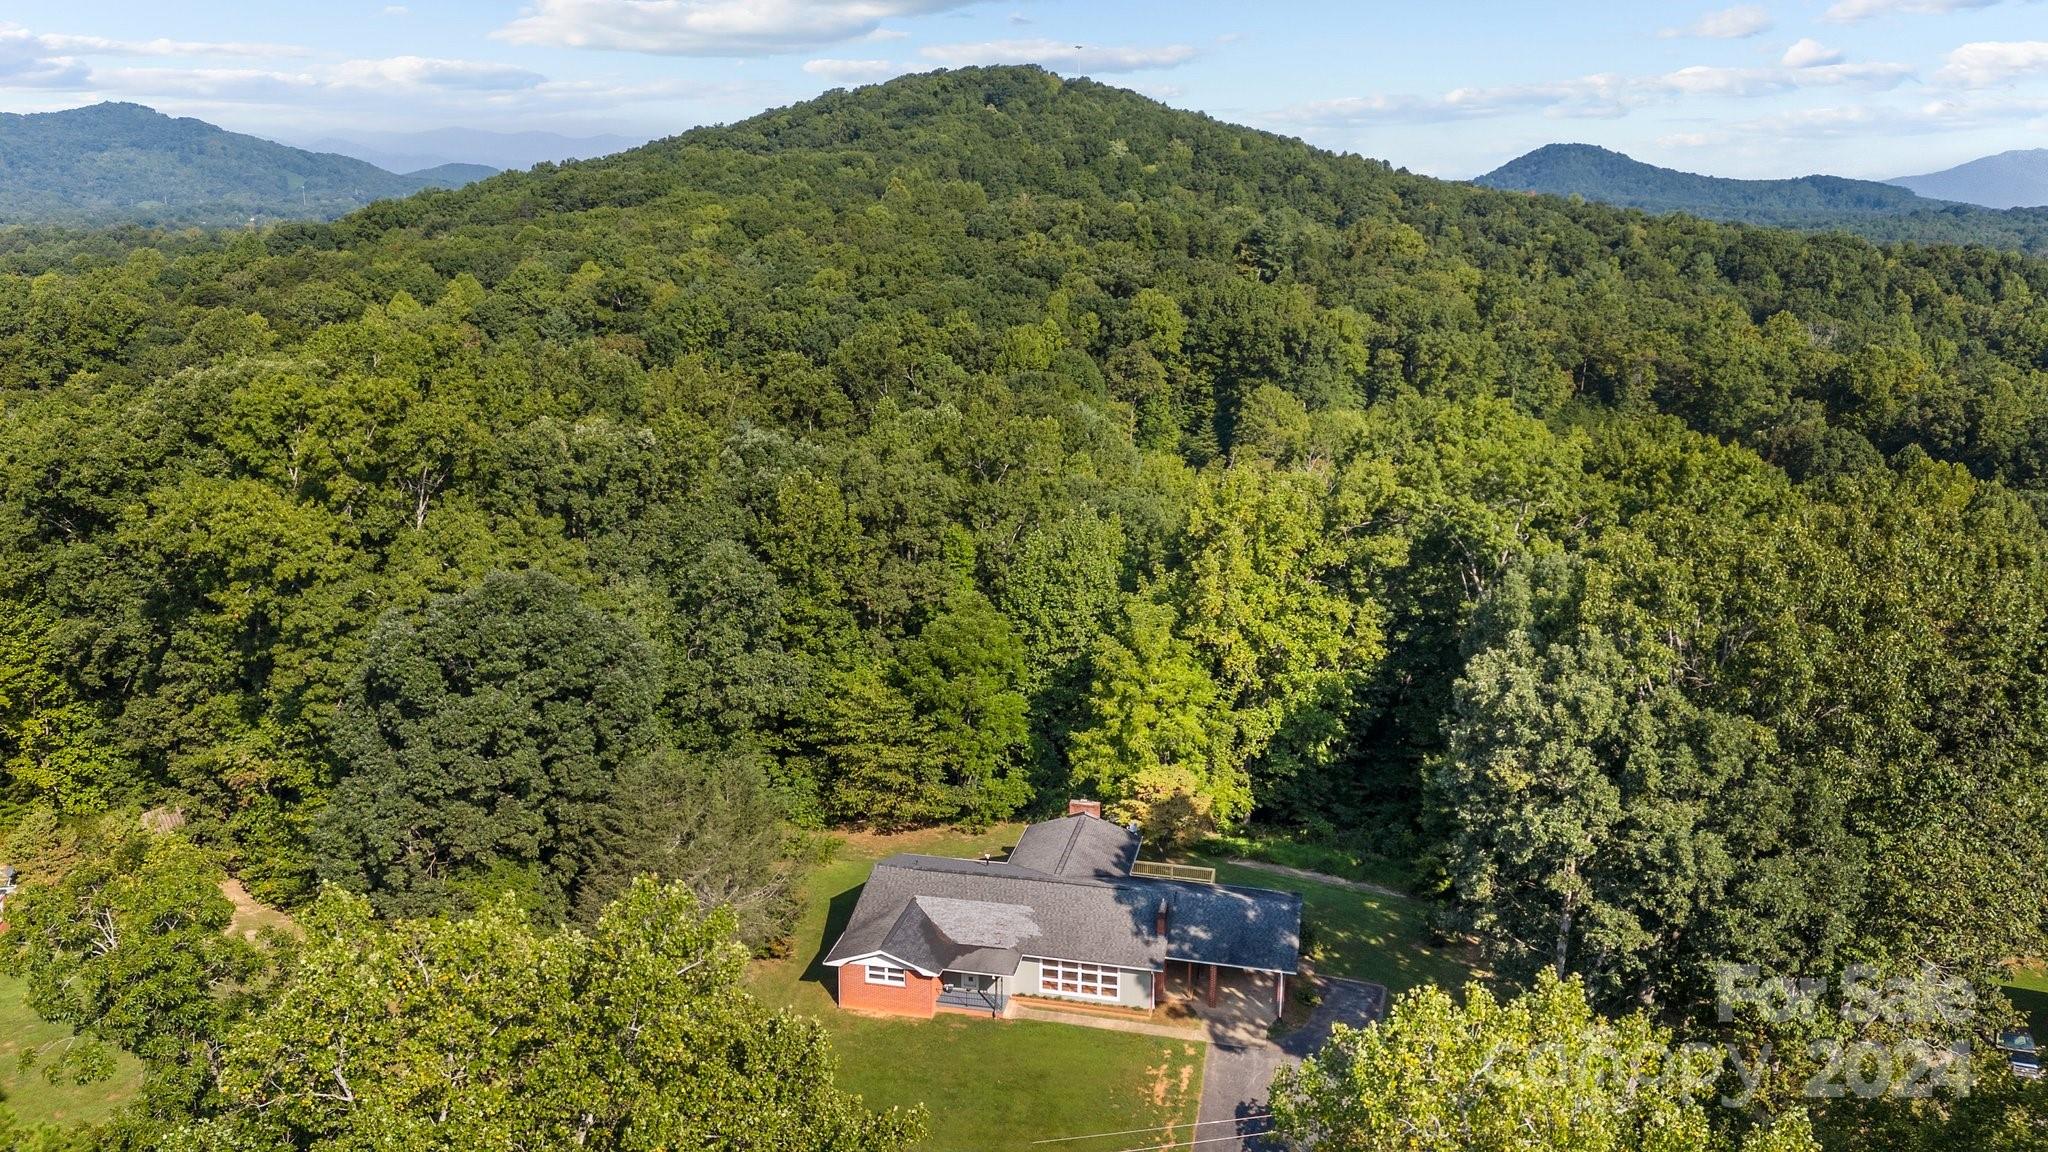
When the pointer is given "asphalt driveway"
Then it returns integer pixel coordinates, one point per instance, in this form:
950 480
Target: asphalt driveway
1240 1071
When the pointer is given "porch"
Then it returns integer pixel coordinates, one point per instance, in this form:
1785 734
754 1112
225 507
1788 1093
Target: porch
972 992
1234 1002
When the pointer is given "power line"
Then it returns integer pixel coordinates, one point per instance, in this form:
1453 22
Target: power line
1156 1128
1192 1143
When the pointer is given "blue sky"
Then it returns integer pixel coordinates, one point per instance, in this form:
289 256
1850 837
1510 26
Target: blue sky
1857 87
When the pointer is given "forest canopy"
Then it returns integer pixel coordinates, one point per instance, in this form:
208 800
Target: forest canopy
1666 592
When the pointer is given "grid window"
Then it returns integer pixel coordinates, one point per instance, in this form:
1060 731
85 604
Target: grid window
885 974
1068 978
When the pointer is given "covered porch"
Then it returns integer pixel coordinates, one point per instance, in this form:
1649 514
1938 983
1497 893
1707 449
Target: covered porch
1221 994
975 992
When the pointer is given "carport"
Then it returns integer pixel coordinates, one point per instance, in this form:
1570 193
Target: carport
1224 990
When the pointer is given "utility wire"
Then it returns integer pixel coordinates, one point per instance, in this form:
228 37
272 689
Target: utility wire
1157 1128
1192 1143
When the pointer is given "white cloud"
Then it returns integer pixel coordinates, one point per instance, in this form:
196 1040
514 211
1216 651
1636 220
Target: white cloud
1856 120
1603 95
397 10
241 85
1810 53
708 27
426 72
1061 55
1992 62
1850 11
1737 23
852 70
102 46
45 60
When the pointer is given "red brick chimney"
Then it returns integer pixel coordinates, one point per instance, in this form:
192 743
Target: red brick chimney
1085 808
1159 923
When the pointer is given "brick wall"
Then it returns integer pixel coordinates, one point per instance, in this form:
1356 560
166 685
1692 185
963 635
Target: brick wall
919 995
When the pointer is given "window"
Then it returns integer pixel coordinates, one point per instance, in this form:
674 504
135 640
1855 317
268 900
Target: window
885 974
1067 978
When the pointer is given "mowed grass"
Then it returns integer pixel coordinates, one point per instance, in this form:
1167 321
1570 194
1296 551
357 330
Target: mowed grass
32 1098
2027 988
1002 1084
1364 935
988 1085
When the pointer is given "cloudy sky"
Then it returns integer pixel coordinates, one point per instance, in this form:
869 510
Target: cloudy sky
1858 87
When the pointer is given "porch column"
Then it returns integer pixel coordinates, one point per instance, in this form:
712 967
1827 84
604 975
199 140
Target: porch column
1212 985
1279 994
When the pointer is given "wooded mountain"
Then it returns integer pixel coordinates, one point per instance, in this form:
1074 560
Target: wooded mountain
1885 212
2016 179
114 163
1663 593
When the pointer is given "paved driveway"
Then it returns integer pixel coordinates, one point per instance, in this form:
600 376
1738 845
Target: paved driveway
1240 1070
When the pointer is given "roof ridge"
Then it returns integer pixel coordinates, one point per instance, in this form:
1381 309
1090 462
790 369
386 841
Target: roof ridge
1073 837
1164 883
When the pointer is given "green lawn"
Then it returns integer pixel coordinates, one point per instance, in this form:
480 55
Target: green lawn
1363 935
33 1099
989 1084
2027 988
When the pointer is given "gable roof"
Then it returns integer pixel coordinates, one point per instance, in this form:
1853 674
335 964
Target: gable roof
1078 845
936 913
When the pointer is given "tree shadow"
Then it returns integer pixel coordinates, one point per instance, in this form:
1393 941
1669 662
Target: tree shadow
837 915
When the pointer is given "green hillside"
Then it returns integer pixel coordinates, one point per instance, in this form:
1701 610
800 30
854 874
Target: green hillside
123 163
1658 593
1884 212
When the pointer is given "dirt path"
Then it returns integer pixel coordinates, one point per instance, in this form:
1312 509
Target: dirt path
1321 878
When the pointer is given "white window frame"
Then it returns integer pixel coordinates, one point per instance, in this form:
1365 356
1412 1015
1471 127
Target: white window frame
1075 979
886 975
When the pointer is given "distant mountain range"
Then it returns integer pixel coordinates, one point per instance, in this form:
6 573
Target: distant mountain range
124 163
411 151
1881 211
2017 179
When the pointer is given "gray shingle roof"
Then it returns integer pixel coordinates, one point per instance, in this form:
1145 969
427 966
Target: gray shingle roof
964 915
1079 845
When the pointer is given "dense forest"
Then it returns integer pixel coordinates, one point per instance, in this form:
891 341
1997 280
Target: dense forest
123 163
1660 593
1887 212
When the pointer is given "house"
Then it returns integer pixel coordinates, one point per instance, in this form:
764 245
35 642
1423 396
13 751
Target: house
1063 918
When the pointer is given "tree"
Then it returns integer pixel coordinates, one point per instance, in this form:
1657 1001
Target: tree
52 743
1539 1071
131 948
1158 745
1257 587
492 732
708 822
879 756
963 674
728 673
489 1033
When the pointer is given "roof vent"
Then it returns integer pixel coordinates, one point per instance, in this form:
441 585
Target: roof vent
1085 808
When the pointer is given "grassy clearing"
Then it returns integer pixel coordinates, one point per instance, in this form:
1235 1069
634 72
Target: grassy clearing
990 1085
2027 988
1376 936
1001 1084
1313 856
33 1099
